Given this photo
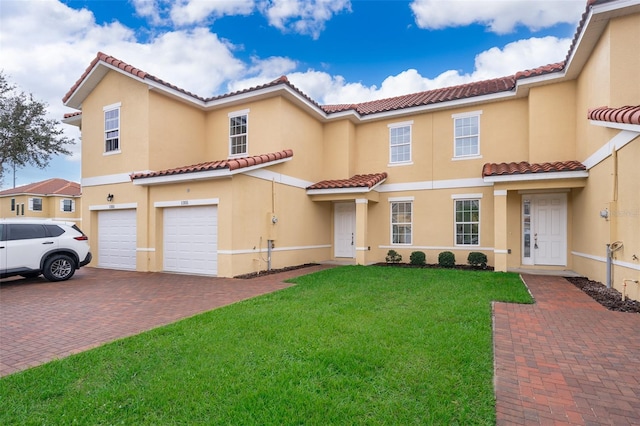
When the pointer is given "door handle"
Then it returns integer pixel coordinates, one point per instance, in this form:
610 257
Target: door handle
48 242
352 238
535 240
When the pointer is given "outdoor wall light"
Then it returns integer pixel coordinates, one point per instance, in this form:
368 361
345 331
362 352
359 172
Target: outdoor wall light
604 214
110 197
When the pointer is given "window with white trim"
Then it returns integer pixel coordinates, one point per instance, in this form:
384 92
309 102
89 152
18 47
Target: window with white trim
466 137
35 204
467 218
67 206
238 133
400 142
13 204
112 128
401 221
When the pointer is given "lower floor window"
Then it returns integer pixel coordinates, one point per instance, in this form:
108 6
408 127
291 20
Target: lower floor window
401 218
467 222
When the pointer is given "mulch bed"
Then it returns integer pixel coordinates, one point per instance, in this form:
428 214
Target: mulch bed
273 271
610 298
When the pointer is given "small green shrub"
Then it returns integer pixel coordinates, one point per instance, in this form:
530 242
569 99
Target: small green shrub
418 258
393 257
477 259
447 259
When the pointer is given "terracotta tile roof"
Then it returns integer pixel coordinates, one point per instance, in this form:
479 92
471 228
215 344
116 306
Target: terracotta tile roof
545 69
72 114
463 91
500 169
581 25
144 75
357 181
53 186
230 164
626 115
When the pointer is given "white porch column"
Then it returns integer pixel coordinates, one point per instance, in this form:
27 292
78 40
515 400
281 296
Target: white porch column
500 251
362 249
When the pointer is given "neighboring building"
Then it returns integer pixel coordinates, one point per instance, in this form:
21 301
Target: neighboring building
57 199
521 168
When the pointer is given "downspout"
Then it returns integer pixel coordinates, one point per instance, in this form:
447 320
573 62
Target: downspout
611 248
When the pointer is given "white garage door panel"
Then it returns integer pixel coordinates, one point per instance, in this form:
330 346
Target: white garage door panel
117 239
191 240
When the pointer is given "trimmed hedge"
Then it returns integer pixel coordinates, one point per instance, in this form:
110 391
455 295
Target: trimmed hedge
477 259
447 259
418 258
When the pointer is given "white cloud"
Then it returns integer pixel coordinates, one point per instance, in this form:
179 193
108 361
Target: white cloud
492 63
302 16
500 16
187 12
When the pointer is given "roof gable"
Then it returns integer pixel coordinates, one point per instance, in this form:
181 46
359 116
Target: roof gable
55 186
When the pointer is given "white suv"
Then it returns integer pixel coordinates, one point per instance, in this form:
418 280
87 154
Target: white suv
30 247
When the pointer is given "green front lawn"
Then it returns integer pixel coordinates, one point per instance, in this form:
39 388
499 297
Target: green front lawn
350 345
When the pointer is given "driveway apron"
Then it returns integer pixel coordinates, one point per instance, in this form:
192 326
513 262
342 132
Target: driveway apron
41 321
565 360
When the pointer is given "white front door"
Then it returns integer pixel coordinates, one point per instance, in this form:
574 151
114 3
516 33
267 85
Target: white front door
345 230
547 238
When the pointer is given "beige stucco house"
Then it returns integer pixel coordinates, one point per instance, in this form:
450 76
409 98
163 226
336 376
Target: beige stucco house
538 170
57 199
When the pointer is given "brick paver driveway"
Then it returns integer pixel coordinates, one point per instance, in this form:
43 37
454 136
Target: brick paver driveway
565 360
41 321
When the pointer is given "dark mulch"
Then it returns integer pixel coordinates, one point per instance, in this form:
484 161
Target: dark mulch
610 298
273 271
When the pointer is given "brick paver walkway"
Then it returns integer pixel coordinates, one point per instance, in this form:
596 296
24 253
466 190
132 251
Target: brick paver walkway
41 321
565 360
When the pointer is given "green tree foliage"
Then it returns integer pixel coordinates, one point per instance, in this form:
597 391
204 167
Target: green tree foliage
26 135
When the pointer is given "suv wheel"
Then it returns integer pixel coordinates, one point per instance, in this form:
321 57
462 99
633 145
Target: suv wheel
59 267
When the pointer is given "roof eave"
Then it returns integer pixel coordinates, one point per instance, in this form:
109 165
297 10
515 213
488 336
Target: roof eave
521 177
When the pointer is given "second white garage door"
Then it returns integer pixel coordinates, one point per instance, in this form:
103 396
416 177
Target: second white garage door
191 240
117 239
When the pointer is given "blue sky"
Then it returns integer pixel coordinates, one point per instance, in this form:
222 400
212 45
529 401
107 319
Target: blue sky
336 51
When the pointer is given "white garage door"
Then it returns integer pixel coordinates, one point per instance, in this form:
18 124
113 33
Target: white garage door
117 239
191 240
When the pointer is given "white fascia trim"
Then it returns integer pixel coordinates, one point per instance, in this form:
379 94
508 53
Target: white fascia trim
604 260
183 177
279 178
106 180
264 250
499 192
362 201
537 176
122 206
359 190
437 184
619 126
74 120
617 142
187 203
145 249
465 196
209 174
473 248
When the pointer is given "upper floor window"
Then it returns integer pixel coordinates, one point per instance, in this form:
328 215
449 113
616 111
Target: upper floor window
35 204
67 206
401 221
112 128
466 134
238 132
13 204
467 217
400 142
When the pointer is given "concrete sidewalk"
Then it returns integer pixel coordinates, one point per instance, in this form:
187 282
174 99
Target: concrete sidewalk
565 360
